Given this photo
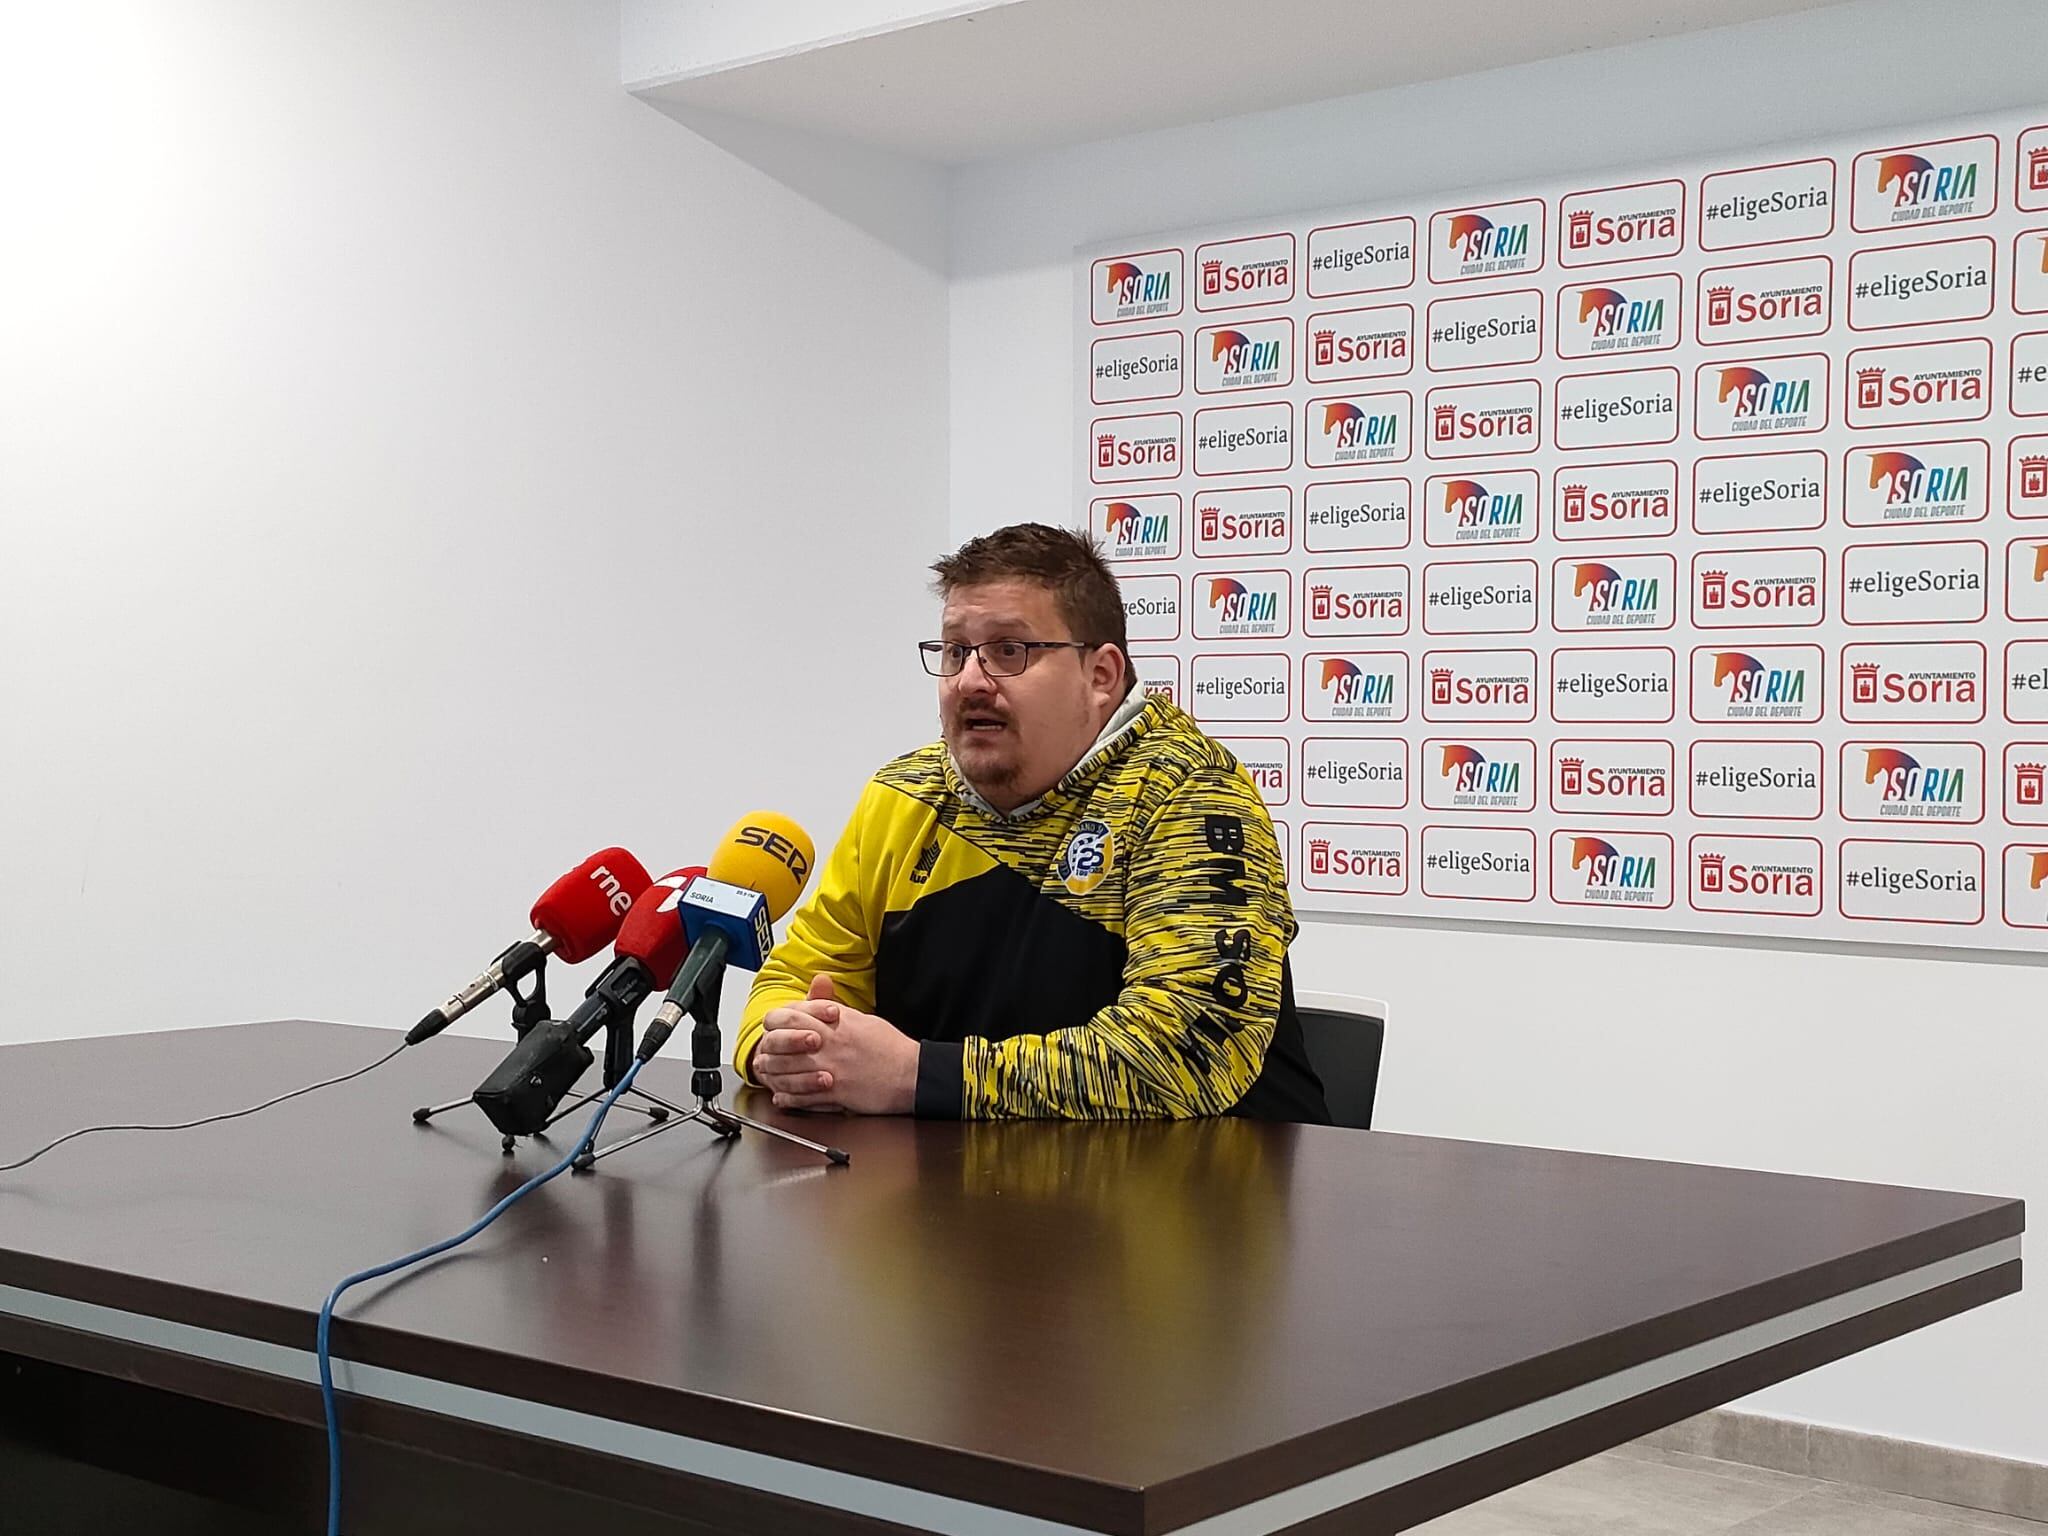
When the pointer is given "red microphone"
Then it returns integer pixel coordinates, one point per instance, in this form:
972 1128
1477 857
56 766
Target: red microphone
652 937
575 917
585 908
521 1094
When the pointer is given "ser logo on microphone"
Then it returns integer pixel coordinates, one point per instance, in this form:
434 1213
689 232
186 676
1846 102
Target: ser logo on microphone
777 847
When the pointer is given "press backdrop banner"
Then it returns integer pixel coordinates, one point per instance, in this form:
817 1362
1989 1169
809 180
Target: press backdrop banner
1666 549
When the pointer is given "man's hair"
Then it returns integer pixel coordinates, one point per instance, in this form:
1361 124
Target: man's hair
1065 563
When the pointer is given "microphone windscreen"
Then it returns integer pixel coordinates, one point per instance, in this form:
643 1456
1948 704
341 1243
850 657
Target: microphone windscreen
653 932
768 853
583 909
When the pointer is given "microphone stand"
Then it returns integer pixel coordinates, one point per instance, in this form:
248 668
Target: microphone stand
707 1080
530 1008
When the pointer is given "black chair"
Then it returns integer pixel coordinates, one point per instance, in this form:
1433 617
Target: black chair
1343 1037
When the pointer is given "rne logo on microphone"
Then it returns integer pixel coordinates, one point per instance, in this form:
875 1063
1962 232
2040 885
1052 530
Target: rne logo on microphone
617 897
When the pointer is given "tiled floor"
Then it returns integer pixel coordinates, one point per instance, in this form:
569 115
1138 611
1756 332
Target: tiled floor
1637 1491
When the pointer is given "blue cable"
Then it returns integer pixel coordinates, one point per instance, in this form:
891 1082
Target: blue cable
327 1401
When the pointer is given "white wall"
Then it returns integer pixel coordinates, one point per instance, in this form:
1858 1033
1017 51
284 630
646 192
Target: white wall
420 464
1902 1068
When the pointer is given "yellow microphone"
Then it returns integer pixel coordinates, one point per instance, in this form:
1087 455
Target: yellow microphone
756 874
768 853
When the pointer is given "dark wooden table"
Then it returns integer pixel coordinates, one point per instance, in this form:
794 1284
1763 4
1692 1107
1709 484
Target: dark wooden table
1223 1328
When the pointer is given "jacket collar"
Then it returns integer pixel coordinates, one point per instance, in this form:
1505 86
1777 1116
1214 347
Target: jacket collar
1132 719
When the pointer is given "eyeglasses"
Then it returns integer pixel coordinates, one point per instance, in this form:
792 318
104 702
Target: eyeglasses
999 658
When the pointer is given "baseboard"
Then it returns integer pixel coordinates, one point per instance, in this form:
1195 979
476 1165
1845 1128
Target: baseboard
1970 1479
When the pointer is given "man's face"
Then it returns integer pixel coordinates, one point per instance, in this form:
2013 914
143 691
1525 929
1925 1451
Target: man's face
1015 737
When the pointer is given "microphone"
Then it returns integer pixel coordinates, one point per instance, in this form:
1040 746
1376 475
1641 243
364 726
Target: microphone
575 917
756 875
521 1094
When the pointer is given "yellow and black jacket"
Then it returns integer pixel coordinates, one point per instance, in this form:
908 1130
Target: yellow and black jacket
1116 948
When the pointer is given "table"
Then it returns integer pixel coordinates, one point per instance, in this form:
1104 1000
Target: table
1221 1329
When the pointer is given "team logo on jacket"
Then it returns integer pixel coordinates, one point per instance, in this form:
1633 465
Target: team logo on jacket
1086 860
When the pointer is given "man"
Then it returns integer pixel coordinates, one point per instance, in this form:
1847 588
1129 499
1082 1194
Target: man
1072 905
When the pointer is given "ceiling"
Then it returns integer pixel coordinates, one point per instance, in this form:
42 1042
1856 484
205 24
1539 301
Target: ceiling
1035 74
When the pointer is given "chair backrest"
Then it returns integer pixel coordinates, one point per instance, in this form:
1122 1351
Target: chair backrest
1344 1037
